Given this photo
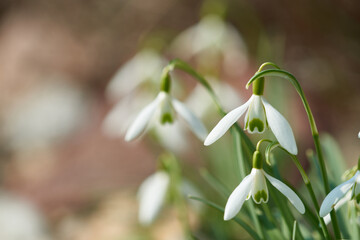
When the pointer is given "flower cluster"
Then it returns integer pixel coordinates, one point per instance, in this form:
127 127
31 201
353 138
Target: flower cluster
254 185
260 116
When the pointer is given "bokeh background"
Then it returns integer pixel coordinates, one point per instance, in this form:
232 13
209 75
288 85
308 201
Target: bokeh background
63 178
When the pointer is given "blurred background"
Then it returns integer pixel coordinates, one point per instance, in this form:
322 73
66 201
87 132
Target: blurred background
66 172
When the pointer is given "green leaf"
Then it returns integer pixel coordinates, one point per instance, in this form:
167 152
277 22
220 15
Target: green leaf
242 223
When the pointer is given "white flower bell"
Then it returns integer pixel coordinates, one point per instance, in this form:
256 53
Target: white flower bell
340 195
212 36
145 66
151 196
260 115
254 185
167 107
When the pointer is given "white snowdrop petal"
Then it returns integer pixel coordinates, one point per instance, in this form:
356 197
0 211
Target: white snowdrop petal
144 66
259 190
143 118
238 197
172 136
281 128
327 218
335 195
194 123
226 122
256 118
288 192
151 196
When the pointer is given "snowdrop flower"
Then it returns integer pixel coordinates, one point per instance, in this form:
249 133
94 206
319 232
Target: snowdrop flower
132 87
167 107
212 35
340 203
254 185
151 196
337 197
260 115
145 66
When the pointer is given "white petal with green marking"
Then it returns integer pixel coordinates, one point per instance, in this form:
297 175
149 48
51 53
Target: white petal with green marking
259 190
255 121
336 195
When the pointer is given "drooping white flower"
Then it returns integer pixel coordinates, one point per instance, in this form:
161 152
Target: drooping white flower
254 185
132 87
120 117
151 196
338 196
259 115
145 66
212 36
340 203
167 107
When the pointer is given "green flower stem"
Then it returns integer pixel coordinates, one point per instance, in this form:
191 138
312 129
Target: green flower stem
179 64
165 81
242 168
258 86
354 226
306 181
312 194
314 131
240 138
294 231
268 64
175 188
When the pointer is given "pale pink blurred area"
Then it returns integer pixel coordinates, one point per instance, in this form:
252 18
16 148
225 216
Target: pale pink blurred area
59 167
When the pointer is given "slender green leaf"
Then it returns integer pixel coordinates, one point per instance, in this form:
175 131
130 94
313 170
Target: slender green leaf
243 224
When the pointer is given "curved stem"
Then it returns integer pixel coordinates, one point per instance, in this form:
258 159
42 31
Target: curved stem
314 131
179 64
242 168
306 181
260 142
312 194
268 64
238 133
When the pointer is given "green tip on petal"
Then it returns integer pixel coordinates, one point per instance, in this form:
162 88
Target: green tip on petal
358 164
166 118
261 195
256 123
257 160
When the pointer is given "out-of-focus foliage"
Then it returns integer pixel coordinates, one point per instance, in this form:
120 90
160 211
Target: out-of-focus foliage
70 179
